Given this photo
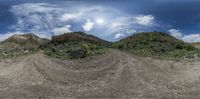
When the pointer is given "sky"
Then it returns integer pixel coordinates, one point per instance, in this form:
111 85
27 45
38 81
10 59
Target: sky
111 20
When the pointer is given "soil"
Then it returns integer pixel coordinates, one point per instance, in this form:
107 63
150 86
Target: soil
114 75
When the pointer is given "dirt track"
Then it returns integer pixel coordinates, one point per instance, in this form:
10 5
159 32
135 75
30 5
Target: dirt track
115 75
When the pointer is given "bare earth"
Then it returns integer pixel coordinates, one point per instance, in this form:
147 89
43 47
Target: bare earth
115 75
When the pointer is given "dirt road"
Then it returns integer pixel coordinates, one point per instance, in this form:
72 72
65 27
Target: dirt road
114 75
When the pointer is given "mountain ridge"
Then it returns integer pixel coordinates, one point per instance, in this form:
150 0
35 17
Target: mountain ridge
154 44
74 36
25 39
80 44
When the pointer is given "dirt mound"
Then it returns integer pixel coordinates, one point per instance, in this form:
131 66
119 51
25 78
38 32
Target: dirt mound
112 75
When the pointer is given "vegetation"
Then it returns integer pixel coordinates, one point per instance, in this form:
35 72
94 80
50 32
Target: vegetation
75 45
79 36
19 45
26 40
15 52
156 44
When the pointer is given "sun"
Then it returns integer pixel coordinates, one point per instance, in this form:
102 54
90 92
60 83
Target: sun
100 21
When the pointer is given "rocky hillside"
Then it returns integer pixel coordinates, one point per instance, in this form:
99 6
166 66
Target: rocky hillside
24 40
18 45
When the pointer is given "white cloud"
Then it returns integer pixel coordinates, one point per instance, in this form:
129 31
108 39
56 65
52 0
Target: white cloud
48 19
34 8
37 17
82 13
191 38
42 35
88 26
145 20
127 25
45 19
176 33
61 30
119 35
124 34
69 16
187 37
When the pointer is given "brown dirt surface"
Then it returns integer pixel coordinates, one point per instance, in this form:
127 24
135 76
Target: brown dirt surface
197 45
114 75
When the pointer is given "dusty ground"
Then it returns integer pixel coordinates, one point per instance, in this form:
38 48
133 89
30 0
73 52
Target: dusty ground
115 75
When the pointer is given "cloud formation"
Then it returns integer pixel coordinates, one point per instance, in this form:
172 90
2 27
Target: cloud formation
124 34
88 26
50 19
191 38
145 20
122 27
176 33
61 30
185 37
36 17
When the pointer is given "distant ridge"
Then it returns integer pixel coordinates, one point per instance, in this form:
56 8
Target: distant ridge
154 43
80 45
79 36
24 40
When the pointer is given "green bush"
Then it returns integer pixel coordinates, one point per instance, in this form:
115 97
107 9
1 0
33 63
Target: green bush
15 52
73 49
85 46
154 44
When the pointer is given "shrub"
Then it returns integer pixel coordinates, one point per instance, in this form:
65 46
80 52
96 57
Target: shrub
73 49
15 52
85 46
79 53
154 43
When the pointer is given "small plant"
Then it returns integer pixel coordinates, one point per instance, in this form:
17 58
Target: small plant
15 52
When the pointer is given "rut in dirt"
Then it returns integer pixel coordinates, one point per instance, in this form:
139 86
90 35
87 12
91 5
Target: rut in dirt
115 74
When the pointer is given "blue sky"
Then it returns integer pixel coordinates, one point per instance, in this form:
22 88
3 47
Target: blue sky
107 19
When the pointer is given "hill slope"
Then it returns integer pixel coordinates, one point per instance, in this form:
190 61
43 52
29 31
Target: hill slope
197 44
79 36
18 45
75 45
25 40
154 44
